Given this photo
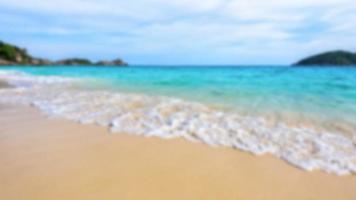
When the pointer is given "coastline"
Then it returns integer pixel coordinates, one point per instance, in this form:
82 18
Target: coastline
58 159
170 117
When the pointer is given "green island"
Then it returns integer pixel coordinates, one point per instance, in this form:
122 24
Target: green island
14 55
331 58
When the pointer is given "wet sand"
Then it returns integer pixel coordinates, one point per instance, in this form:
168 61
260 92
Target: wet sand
53 159
4 84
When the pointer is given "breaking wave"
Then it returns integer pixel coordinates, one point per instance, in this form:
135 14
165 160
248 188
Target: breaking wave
165 117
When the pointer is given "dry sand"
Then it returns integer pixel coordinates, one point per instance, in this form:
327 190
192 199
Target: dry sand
49 159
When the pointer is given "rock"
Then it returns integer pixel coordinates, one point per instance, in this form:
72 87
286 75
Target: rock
4 62
74 61
116 62
40 62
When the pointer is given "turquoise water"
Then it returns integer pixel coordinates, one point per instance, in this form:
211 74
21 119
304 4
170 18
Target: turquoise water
305 116
315 93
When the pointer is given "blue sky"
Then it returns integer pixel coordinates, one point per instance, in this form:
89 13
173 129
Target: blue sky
180 31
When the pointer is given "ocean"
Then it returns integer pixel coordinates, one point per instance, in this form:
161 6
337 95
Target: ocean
305 116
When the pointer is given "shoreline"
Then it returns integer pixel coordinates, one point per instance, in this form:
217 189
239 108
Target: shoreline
169 117
59 159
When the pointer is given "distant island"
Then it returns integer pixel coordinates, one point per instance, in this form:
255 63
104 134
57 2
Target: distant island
13 55
331 58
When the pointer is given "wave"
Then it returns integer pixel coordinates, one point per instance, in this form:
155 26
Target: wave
304 147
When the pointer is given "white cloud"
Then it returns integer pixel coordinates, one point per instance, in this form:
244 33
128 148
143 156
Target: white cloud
231 30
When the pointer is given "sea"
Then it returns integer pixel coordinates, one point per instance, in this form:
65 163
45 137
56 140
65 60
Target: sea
305 116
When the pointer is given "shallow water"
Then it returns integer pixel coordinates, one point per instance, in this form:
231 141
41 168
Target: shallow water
306 116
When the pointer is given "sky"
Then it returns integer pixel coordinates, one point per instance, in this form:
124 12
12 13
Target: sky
173 32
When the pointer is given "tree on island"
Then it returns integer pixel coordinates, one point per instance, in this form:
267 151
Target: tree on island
331 58
13 55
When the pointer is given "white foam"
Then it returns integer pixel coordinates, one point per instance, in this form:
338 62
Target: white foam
169 118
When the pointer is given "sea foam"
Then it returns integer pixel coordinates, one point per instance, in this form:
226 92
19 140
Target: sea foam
166 117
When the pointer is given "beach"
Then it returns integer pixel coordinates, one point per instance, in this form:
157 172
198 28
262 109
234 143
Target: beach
186 100
45 158
288 115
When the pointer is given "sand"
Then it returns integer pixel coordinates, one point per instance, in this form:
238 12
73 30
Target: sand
53 159
4 84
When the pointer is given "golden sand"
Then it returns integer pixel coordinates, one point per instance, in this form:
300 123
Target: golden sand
49 159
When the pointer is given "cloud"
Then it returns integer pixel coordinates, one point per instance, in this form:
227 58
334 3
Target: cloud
181 31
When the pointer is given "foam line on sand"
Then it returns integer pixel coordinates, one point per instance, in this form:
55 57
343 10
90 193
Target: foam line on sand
57 159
